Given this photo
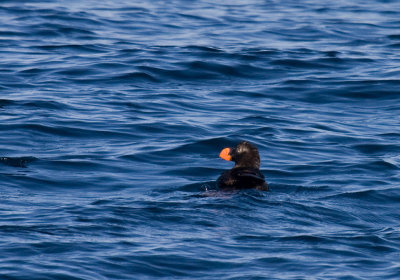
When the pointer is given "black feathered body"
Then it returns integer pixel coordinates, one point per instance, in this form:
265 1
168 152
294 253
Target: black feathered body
242 178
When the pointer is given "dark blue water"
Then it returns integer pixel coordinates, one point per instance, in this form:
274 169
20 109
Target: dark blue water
113 114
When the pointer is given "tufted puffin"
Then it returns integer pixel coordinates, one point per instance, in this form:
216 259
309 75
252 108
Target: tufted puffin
246 173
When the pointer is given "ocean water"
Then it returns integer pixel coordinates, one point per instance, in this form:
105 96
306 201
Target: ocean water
112 115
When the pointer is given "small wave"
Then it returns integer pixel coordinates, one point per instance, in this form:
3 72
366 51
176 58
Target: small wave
383 196
65 131
297 63
5 102
135 76
17 161
376 149
73 48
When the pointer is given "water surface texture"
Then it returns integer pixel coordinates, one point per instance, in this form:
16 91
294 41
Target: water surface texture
113 114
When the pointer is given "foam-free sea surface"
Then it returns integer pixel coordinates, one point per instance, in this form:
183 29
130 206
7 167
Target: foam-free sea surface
112 115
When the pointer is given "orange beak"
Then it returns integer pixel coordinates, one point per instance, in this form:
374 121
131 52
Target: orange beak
225 154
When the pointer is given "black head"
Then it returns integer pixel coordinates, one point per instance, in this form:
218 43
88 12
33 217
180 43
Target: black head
244 155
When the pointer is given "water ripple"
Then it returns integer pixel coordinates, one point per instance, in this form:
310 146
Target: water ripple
113 115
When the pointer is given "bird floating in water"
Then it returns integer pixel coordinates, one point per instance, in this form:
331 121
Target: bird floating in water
246 173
